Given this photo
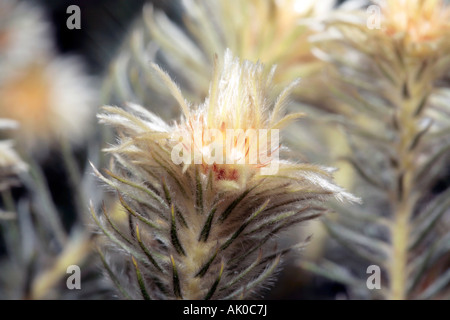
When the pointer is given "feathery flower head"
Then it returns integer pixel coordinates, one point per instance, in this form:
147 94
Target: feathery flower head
234 124
205 230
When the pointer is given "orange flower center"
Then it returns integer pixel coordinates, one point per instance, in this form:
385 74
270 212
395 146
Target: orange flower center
421 20
26 99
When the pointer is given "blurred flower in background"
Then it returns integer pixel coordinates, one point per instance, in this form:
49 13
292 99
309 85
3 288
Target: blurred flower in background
24 35
47 106
422 26
51 97
269 31
50 100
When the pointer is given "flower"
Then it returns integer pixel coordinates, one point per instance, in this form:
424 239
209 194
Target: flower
206 229
25 35
50 97
50 100
419 23
416 29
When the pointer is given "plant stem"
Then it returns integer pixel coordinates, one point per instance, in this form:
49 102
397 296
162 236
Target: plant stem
75 177
405 197
400 236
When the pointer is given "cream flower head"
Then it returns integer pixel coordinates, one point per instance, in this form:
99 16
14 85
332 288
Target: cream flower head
421 26
419 20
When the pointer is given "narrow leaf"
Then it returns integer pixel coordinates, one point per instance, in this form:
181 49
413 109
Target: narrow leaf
363 172
346 239
141 282
113 238
174 237
243 226
207 227
215 284
174 89
137 186
175 280
260 279
233 205
206 266
146 251
113 226
430 218
113 277
242 274
137 215
169 202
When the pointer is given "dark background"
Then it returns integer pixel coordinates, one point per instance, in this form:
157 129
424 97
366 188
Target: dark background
103 26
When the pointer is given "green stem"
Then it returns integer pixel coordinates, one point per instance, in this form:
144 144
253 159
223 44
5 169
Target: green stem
400 238
8 200
37 184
